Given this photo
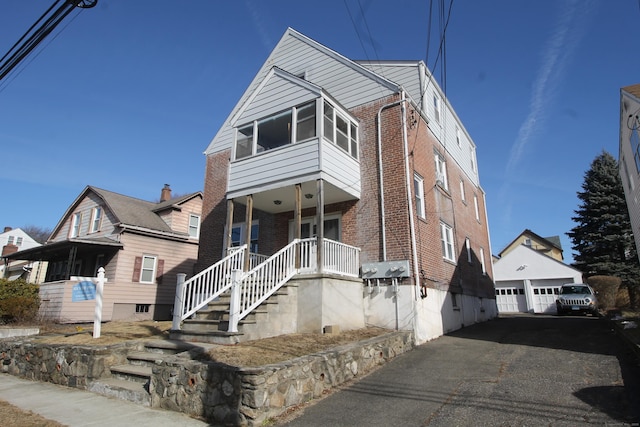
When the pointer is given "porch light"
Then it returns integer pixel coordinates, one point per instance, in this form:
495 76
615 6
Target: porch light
277 202
308 196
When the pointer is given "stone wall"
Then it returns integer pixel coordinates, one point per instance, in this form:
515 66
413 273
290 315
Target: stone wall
228 395
72 366
192 384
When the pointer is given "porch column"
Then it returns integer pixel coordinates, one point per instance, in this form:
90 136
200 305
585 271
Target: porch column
320 224
70 262
297 220
229 225
247 239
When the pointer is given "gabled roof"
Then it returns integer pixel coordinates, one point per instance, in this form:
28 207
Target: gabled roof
633 90
129 211
289 35
525 262
551 242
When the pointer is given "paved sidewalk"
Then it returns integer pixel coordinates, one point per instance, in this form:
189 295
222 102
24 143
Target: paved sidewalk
74 407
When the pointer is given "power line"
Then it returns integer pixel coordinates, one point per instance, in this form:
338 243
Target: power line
34 36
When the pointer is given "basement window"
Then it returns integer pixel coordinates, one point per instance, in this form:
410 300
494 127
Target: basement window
142 308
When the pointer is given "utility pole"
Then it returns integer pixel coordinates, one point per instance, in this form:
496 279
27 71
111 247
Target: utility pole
34 36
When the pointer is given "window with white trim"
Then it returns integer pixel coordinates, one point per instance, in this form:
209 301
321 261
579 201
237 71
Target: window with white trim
148 269
340 130
462 195
10 240
418 184
467 244
472 157
194 225
484 267
76 221
96 219
18 241
446 238
476 207
441 171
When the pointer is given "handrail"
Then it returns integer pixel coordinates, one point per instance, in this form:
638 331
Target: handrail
341 259
210 283
261 282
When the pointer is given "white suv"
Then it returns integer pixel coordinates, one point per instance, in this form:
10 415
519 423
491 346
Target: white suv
576 298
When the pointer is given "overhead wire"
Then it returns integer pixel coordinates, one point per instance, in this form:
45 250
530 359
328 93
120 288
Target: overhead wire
34 36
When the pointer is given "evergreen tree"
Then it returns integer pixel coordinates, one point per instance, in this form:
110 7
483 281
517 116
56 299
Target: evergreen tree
603 239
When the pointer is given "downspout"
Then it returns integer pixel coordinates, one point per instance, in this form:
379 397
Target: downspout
408 186
412 226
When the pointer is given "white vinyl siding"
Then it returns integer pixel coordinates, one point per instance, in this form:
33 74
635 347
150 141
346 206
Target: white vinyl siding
286 166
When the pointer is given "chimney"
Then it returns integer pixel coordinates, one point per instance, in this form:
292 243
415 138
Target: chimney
6 229
9 249
166 193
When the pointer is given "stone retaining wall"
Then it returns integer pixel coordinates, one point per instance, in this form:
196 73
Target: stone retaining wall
72 366
228 395
201 388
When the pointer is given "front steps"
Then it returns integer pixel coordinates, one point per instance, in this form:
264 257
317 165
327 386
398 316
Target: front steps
211 323
131 381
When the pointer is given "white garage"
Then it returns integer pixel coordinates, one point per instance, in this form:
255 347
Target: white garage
527 281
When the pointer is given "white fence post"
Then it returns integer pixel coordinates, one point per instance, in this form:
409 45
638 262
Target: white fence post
234 305
97 314
177 302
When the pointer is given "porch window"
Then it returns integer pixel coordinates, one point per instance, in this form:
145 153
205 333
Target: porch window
276 130
194 225
340 130
96 217
148 270
446 237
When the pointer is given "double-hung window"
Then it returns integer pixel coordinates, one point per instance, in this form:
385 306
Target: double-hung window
148 270
76 221
441 171
96 218
446 237
194 225
418 184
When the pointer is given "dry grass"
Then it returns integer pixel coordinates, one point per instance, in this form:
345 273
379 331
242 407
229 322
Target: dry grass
13 416
251 353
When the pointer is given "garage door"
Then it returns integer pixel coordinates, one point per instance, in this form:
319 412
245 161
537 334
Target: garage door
511 299
545 293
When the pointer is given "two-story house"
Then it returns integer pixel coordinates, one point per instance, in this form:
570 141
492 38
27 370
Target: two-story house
13 240
142 246
364 174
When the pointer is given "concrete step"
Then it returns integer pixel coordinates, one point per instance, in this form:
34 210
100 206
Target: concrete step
209 337
131 391
134 373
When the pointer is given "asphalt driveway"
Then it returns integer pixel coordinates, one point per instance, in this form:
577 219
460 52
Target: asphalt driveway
513 371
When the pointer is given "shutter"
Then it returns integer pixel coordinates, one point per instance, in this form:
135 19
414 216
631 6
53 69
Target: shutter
159 271
137 267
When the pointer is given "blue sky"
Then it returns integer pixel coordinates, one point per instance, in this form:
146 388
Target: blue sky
126 96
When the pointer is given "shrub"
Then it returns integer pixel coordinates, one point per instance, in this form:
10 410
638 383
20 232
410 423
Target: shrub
607 289
19 300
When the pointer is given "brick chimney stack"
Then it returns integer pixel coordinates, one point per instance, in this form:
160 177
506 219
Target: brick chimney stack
8 250
166 193
7 229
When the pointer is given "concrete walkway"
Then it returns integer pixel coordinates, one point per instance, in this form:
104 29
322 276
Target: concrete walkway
74 407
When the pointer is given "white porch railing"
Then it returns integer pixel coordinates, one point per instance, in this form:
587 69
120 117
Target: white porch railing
207 285
266 276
